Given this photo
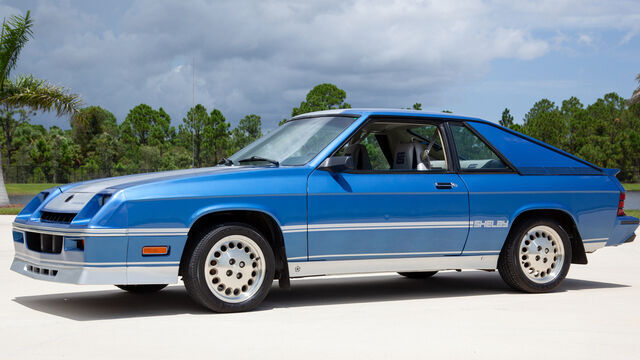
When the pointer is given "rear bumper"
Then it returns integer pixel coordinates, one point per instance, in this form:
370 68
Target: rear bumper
624 231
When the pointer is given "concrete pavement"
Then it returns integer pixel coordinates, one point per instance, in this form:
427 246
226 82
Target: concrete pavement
465 315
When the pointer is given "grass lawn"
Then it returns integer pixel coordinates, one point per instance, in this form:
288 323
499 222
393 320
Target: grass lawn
11 210
632 187
27 189
635 213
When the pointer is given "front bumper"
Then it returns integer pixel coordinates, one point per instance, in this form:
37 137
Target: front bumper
102 260
56 272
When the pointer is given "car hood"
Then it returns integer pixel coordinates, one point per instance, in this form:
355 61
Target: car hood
75 196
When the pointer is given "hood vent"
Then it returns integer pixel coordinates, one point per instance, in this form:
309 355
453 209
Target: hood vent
54 217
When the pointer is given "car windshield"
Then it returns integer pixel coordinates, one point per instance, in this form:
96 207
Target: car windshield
294 143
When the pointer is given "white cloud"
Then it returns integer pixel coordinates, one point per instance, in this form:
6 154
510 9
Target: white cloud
263 57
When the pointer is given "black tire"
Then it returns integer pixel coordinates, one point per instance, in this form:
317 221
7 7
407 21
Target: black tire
142 289
195 278
418 275
509 262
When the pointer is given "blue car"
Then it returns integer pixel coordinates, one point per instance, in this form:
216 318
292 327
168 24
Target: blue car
334 192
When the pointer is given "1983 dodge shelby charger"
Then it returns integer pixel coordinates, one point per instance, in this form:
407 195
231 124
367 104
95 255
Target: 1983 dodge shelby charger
333 192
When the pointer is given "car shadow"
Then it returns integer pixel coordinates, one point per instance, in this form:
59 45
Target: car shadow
117 304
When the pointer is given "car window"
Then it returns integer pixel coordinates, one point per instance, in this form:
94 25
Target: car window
473 153
396 146
296 142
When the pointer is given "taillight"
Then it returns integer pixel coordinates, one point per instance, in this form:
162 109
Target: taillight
621 204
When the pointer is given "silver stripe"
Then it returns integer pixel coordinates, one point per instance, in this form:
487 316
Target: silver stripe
392 193
297 258
64 262
362 266
480 252
544 192
387 224
386 254
377 226
294 231
595 240
390 228
102 232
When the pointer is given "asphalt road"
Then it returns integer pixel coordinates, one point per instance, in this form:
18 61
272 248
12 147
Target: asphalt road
594 315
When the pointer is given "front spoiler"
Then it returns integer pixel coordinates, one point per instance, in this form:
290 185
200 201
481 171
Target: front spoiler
95 275
70 274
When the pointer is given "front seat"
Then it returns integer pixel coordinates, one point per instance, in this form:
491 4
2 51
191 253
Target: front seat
408 156
360 156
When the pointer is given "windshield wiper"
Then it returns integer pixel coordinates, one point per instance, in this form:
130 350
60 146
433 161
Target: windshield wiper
225 161
259 158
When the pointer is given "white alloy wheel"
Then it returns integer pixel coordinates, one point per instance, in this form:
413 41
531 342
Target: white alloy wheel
541 254
235 268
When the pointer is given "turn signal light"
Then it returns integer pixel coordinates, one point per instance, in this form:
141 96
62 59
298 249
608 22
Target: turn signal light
621 204
155 250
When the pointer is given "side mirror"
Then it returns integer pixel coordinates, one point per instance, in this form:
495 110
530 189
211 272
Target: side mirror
337 163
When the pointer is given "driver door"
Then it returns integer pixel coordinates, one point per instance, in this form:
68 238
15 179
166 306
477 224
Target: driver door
392 204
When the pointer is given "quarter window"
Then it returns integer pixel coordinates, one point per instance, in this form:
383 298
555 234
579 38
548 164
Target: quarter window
473 153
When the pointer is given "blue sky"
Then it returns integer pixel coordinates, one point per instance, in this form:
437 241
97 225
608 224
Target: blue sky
473 57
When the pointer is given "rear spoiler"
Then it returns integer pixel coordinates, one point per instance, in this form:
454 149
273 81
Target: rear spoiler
611 172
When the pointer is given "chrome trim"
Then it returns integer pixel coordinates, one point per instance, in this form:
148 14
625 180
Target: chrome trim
337 267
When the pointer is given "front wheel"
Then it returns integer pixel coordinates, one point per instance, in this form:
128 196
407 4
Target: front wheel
231 269
536 256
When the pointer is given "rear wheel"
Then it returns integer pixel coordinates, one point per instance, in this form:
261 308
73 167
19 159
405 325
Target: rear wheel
231 269
142 289
536 257
418 275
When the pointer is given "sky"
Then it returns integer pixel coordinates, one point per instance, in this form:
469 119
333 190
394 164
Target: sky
471 57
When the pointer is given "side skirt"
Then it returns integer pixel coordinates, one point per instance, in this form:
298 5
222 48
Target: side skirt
339 267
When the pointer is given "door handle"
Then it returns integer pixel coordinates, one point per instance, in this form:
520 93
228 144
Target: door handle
445 185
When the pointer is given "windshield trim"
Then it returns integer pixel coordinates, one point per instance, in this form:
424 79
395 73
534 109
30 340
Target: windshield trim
304 116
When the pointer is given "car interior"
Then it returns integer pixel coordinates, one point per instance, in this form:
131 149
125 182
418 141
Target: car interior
394 146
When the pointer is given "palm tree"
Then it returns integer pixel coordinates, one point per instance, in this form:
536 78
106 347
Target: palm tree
635 98
26 91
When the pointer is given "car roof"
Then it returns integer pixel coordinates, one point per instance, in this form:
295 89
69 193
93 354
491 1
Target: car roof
389 112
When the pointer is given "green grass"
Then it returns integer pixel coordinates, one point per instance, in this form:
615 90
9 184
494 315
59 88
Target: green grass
635 213
11 210
632 187
27 189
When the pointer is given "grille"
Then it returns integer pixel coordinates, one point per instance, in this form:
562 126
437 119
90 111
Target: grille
53 217
43 271
44 243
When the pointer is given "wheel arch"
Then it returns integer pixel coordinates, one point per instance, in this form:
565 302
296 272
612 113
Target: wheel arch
564 218
260 219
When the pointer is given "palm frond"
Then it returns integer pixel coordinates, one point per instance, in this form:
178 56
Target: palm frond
28 91
16 31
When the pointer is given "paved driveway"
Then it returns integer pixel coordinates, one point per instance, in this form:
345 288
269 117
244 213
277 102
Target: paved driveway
473 314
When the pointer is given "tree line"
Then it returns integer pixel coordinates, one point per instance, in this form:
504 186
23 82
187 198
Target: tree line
606 133
97 145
